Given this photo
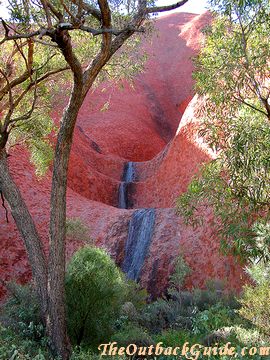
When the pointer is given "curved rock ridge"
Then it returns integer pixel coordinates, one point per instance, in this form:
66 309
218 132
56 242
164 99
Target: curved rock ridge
163 179
142 126
141 119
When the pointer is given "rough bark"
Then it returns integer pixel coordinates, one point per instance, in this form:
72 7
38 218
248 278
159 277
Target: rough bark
27 230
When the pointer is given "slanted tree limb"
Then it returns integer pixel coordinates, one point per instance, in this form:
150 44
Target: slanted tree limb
28 231
157 9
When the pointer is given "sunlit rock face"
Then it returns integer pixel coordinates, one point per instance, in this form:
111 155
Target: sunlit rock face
154 125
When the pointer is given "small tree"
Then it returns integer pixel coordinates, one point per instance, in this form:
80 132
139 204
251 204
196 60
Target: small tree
181 271
232 73
52 24
95 291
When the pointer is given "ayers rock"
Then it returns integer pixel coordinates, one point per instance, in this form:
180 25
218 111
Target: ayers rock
153 125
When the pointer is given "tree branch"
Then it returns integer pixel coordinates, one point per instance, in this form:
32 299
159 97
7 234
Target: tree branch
90 9
55 12
47 12
157 9
20 36
10 110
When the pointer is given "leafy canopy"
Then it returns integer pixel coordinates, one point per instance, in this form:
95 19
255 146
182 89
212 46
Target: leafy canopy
232 73
33 71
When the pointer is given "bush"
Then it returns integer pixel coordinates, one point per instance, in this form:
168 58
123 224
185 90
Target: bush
186 309
77 230
95 291
14 346
181 271
172 338
132 334
214 318
136 294
21 312
180 309
256 307
248 337
255 299
213 294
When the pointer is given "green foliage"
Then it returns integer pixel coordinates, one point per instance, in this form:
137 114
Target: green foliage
162 314
255 299
136 294
213 294
248 336
77 230
188 310
21 312
174 311
227 7
233 62
132 334
259 273
13 346
173 337
162 321
232 72
88 354
26 106
214 318
95 291
21 331
180 273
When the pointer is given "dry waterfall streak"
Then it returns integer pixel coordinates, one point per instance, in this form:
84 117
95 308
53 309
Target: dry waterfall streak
128 177
140 232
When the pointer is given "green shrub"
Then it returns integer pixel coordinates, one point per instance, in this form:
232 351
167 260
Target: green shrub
136 294
248 336
95 291
172 338
181 271
132 334
162 314
255 299
14 346
214 318
77 230
185 309
213 294
21 312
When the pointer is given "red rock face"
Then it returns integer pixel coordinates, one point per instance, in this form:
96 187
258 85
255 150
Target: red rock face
140 125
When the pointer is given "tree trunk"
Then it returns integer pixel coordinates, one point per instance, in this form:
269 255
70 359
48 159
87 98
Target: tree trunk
56 320
27 229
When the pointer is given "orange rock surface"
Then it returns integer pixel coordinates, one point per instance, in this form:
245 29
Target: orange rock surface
155 125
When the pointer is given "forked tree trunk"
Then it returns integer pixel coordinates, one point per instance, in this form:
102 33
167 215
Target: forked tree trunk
50 280
27 229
